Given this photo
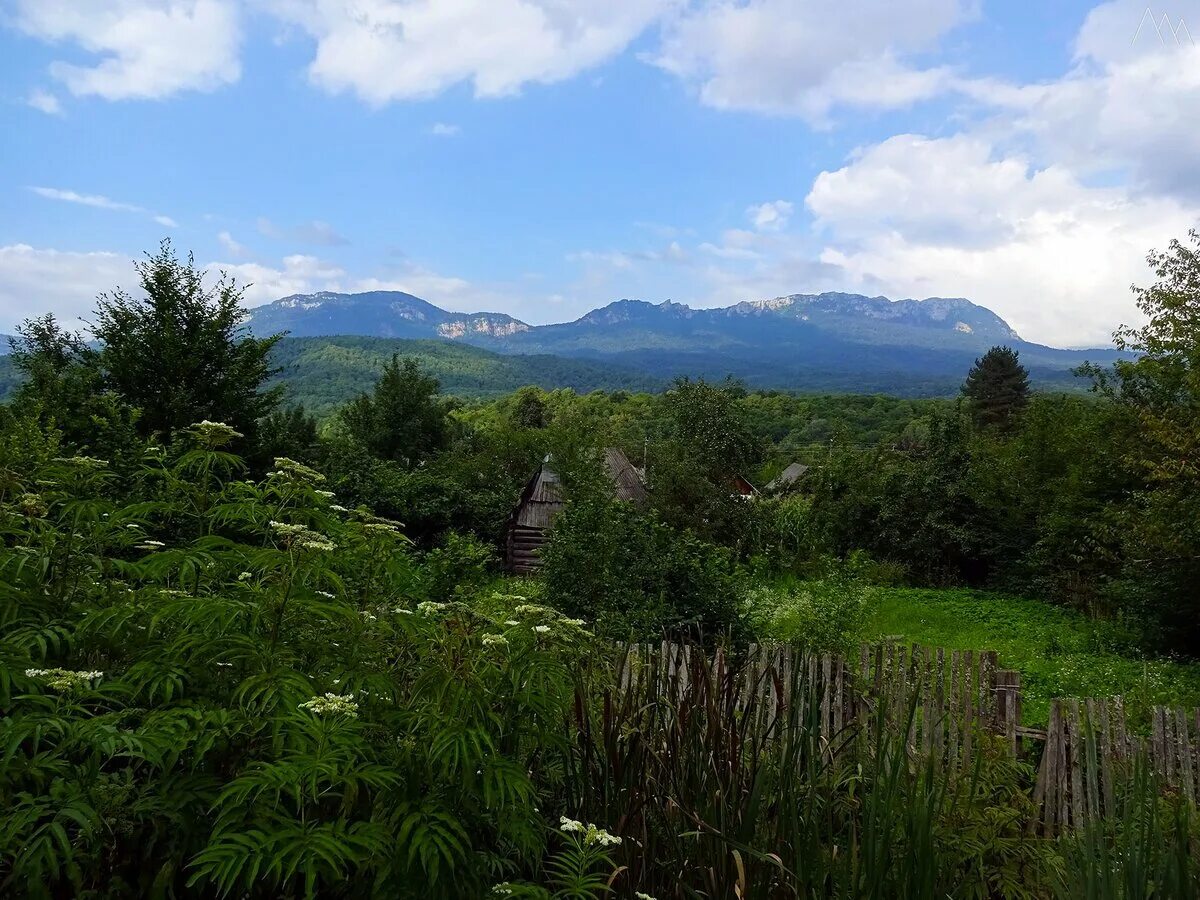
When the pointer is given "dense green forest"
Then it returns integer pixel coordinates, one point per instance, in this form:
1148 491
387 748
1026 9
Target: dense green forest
258 649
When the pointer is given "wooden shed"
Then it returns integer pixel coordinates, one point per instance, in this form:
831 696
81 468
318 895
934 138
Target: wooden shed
529 524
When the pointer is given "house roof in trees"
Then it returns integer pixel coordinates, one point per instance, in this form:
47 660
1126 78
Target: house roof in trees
788 477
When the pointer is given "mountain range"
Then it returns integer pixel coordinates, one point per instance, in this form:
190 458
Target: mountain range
829 341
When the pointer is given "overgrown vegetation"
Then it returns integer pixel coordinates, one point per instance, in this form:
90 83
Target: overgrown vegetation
248 652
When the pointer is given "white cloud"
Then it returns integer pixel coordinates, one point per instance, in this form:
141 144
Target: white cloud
230 245
38 280
296 274
949 217
146 48
770 216
444 129
804 57
44 101
1127 106
385 50
99 201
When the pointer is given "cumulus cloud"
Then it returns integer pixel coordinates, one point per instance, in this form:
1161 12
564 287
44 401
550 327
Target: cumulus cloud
146 48
384 50
443 129
952 217
804 58
99 201
230 245
36 280
771 216
44 101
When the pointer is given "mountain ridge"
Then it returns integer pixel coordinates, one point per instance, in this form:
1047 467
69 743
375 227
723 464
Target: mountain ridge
791 342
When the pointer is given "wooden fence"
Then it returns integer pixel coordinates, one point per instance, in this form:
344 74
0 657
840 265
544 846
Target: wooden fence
946 701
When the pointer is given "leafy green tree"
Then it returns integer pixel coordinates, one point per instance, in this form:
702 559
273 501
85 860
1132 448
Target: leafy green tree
64 389
179 352
997 388
1160 389
529 408
403 419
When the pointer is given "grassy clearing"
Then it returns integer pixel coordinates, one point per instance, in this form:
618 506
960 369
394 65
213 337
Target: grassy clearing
1059 653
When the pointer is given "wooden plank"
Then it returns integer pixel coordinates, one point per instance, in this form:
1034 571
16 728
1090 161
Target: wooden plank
1044 789
1062 771
826 695
913 677
1107 753
839 699
1091 762
1158 749
969 694
1186 781
939 706
1120 738
1076 763
926 701
953 723
1169 748
987 688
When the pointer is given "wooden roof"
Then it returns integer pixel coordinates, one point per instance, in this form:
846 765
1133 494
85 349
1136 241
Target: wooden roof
543 496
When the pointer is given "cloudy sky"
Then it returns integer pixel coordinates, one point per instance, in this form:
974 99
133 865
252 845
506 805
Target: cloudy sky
543 157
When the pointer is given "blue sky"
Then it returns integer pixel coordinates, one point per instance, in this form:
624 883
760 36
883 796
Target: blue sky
543 157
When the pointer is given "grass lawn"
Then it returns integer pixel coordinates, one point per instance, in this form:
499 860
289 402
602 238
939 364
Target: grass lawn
1059 653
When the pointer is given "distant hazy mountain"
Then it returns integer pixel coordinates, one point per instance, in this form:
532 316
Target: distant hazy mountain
832 341
377 314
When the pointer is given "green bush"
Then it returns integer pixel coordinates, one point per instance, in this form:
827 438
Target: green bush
609 562
829 614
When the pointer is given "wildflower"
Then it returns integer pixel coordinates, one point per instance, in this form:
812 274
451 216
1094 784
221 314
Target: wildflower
150 545
495 640
428 607
32 505
325 594
328 495
134 526
224 665
541 629
530 609
213 434
511 622
317 544
84 462
245 576
286 529
503 889
642 896
332 705
290 470
599 836
403 611
337 508
578 623
570 825
63 679
380 526
368 616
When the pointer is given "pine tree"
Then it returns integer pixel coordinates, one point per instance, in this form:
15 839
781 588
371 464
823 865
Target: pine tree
997 388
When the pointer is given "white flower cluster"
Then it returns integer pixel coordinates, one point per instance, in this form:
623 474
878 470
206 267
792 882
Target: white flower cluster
530 609
63 679
302 537
495 640
214 434
591 833
429 607
150 545
290 470
503 889
84 462
641 895
332 705
541 629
